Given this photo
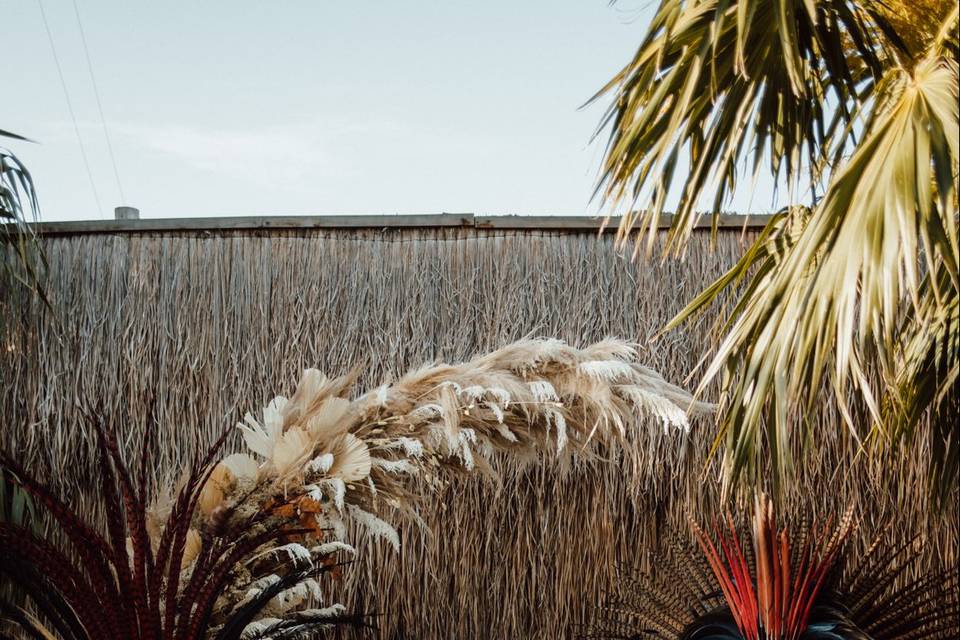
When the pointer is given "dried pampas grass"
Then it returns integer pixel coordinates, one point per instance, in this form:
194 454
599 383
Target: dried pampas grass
324 463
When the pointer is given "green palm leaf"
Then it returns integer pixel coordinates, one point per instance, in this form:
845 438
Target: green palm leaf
19 206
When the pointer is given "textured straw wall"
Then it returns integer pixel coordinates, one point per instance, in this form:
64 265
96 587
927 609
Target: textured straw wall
181 333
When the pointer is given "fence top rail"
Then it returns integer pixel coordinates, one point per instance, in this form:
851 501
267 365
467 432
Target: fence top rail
440 220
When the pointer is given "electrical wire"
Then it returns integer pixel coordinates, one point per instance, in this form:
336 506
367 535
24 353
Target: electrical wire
66 94
96 92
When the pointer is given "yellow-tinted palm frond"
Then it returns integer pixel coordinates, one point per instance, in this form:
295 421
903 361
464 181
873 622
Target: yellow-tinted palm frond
925 375
840 296
854 291
720 83
761 258
915 21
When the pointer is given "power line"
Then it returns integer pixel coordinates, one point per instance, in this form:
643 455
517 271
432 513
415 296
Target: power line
66 94
96 92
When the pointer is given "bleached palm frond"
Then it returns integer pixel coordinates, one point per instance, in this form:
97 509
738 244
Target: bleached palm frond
850 289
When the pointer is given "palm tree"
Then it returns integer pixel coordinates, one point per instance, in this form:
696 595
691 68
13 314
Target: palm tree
19 205
853 289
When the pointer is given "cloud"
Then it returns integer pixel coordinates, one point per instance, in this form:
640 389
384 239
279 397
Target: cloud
280 156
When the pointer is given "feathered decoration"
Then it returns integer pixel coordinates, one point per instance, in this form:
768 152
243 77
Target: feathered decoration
326 461
156 572
239 549
770 583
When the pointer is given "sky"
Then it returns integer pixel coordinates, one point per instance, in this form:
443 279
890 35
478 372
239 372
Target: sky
314 107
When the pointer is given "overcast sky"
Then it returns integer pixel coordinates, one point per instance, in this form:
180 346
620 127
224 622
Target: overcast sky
316 107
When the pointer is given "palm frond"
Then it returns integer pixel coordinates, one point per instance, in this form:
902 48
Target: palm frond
924 378
762 257
837 298
717 83
860 285
915 22
19 206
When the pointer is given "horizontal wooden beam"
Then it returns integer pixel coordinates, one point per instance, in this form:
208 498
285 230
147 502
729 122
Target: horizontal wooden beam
592 223
459 220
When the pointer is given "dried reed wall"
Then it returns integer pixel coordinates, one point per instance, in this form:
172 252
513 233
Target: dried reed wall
180 333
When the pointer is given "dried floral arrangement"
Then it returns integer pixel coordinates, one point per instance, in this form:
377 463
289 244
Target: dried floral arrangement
762 582
240 547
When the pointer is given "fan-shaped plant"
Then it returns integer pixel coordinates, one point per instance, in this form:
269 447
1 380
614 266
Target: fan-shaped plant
770 583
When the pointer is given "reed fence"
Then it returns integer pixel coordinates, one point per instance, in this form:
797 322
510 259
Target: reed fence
179 332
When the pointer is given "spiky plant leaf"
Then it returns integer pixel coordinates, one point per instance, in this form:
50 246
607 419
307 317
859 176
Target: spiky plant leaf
775 583
113 586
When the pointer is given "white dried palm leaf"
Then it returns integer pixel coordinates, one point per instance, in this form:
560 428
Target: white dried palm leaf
291 452
312 394
243 466
351 459
328 420
262 437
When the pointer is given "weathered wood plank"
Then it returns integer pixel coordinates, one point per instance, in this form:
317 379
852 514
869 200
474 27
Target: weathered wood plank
577 223
514 222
